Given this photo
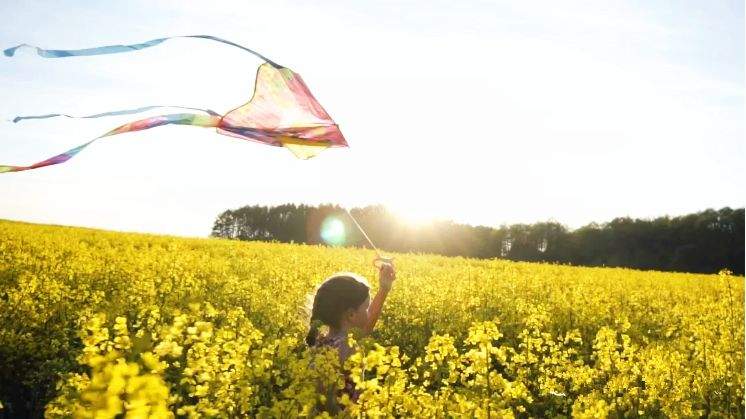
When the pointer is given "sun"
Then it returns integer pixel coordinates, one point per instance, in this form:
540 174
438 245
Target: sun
412 214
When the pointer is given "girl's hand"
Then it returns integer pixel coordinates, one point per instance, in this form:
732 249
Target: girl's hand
386 276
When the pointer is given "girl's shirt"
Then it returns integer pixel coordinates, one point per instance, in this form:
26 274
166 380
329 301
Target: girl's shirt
339 342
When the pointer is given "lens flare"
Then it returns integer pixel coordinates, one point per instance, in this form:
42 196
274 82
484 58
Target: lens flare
333 231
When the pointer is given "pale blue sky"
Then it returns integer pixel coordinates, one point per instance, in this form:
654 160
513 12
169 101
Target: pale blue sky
481 112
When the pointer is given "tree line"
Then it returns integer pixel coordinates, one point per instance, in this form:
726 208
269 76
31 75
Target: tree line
703 242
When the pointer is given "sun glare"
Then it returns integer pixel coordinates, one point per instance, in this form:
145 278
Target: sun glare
333 231
413 215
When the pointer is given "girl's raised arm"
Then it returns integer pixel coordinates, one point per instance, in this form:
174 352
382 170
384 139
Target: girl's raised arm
386 277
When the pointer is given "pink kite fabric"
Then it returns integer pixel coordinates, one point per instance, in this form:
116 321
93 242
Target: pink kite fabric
282 111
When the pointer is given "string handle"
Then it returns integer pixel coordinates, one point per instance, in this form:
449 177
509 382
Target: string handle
379 262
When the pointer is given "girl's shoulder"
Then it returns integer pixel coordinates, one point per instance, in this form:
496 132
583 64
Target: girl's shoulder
335 341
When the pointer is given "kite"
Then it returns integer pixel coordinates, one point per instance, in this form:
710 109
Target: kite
282 111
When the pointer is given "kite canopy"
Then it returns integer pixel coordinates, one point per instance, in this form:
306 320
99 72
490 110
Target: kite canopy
282 112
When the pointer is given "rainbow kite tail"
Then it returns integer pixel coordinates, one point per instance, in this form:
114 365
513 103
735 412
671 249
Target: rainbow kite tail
207 121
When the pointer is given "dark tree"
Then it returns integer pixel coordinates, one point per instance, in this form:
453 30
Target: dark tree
705 242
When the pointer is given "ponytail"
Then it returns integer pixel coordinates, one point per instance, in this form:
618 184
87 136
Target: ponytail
313 332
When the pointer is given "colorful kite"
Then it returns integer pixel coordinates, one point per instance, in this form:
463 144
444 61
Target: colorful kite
282 112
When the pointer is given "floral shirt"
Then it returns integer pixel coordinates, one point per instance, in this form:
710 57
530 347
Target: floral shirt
339 342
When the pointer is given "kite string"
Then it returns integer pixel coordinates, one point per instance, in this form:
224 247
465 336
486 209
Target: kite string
378 253
364 234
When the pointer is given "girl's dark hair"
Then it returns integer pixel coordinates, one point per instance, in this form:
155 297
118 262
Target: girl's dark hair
334 296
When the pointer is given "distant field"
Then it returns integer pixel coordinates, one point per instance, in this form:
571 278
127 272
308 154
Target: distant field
117 323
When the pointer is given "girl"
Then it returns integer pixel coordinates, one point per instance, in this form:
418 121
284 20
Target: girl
342 302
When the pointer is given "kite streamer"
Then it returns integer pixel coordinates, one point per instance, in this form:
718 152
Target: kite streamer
112 113
282 112
115 49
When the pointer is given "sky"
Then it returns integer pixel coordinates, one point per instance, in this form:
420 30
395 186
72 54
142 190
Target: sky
484 113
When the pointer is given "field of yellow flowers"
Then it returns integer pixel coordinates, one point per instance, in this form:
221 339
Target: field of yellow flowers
100 324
